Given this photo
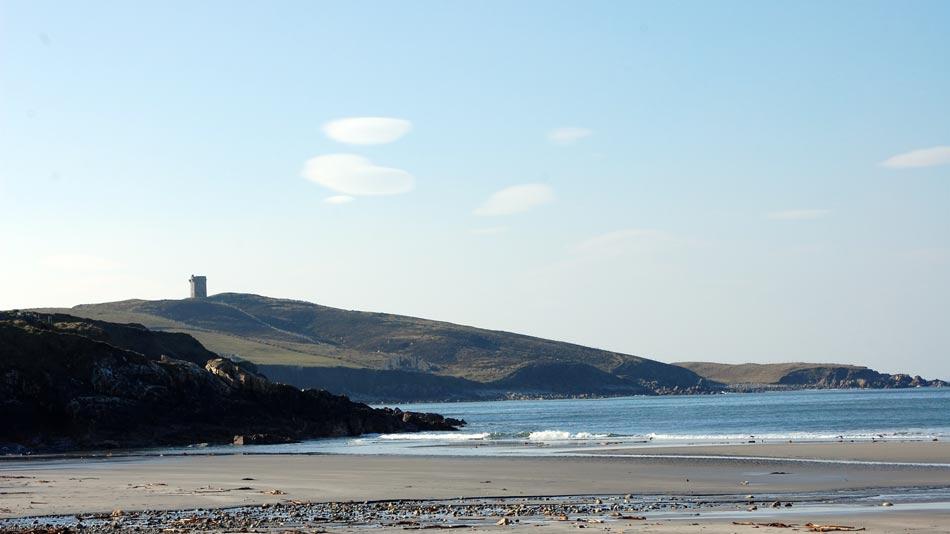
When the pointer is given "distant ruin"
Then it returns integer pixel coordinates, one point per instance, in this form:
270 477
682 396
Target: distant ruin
199 287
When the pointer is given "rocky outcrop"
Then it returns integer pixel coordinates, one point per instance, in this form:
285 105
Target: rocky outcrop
61 389
854 377
800 375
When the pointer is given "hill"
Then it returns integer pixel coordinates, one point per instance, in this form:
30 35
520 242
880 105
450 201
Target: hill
71 383
802 375
326 347
749 373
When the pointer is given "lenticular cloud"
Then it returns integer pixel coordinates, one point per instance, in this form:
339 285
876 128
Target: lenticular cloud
925 157
367 130
355 175
516 199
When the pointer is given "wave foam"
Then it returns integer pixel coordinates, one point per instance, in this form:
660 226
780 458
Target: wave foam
560 435
434 436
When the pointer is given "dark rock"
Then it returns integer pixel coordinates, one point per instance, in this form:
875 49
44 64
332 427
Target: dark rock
260 439
64 390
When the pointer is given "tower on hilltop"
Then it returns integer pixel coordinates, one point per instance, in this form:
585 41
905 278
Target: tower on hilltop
199 287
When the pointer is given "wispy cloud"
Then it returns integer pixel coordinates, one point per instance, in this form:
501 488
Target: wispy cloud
492 230
516 199
367 130
568 136
355 175
795 215
621 241
925 157
338 199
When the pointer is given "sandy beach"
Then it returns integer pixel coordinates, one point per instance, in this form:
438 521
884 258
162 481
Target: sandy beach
936 452
68 486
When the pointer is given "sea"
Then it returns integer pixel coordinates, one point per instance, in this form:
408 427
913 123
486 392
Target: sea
572 426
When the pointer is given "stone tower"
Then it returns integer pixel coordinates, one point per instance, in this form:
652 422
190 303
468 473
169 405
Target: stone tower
199 287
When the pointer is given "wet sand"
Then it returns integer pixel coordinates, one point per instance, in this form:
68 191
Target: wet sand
937 452
70 486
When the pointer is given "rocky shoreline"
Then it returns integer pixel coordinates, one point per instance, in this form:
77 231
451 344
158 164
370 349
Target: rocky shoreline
292 515
76 384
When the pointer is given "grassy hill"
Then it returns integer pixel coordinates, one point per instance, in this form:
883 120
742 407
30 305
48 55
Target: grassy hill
753 373
798 375
273 331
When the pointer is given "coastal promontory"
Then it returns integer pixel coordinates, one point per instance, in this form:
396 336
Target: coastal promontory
68 383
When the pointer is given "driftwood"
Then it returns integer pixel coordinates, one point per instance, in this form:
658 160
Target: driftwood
831 528
754 524
428 527
811 527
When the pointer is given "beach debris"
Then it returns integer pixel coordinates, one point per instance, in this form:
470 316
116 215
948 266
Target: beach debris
752 508
886 503
754 524
504 521
831 528
427 527
750 496
117 512
147 485
776 504
744 483
274 492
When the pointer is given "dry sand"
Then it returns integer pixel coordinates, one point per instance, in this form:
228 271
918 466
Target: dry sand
69 486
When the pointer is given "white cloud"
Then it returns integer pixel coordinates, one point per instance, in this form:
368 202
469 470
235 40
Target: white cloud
925 157
619 241
796 215
78 262
516 199
338 199
568 136
355 175
492 230
367 130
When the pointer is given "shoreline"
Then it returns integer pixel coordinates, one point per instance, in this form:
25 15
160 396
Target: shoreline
45 487
933 453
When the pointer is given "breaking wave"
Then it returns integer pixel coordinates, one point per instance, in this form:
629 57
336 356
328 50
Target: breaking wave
435 436
560 435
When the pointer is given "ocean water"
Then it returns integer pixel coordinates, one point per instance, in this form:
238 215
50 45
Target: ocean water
541 427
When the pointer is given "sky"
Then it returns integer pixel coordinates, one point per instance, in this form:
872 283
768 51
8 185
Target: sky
712 181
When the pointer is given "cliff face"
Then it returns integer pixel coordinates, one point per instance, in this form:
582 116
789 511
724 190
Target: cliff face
63 387
850 377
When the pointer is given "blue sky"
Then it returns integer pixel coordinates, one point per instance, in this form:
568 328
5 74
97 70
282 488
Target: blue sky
730 181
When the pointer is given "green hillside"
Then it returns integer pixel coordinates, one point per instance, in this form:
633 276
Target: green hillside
289 332
751 373
799 375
